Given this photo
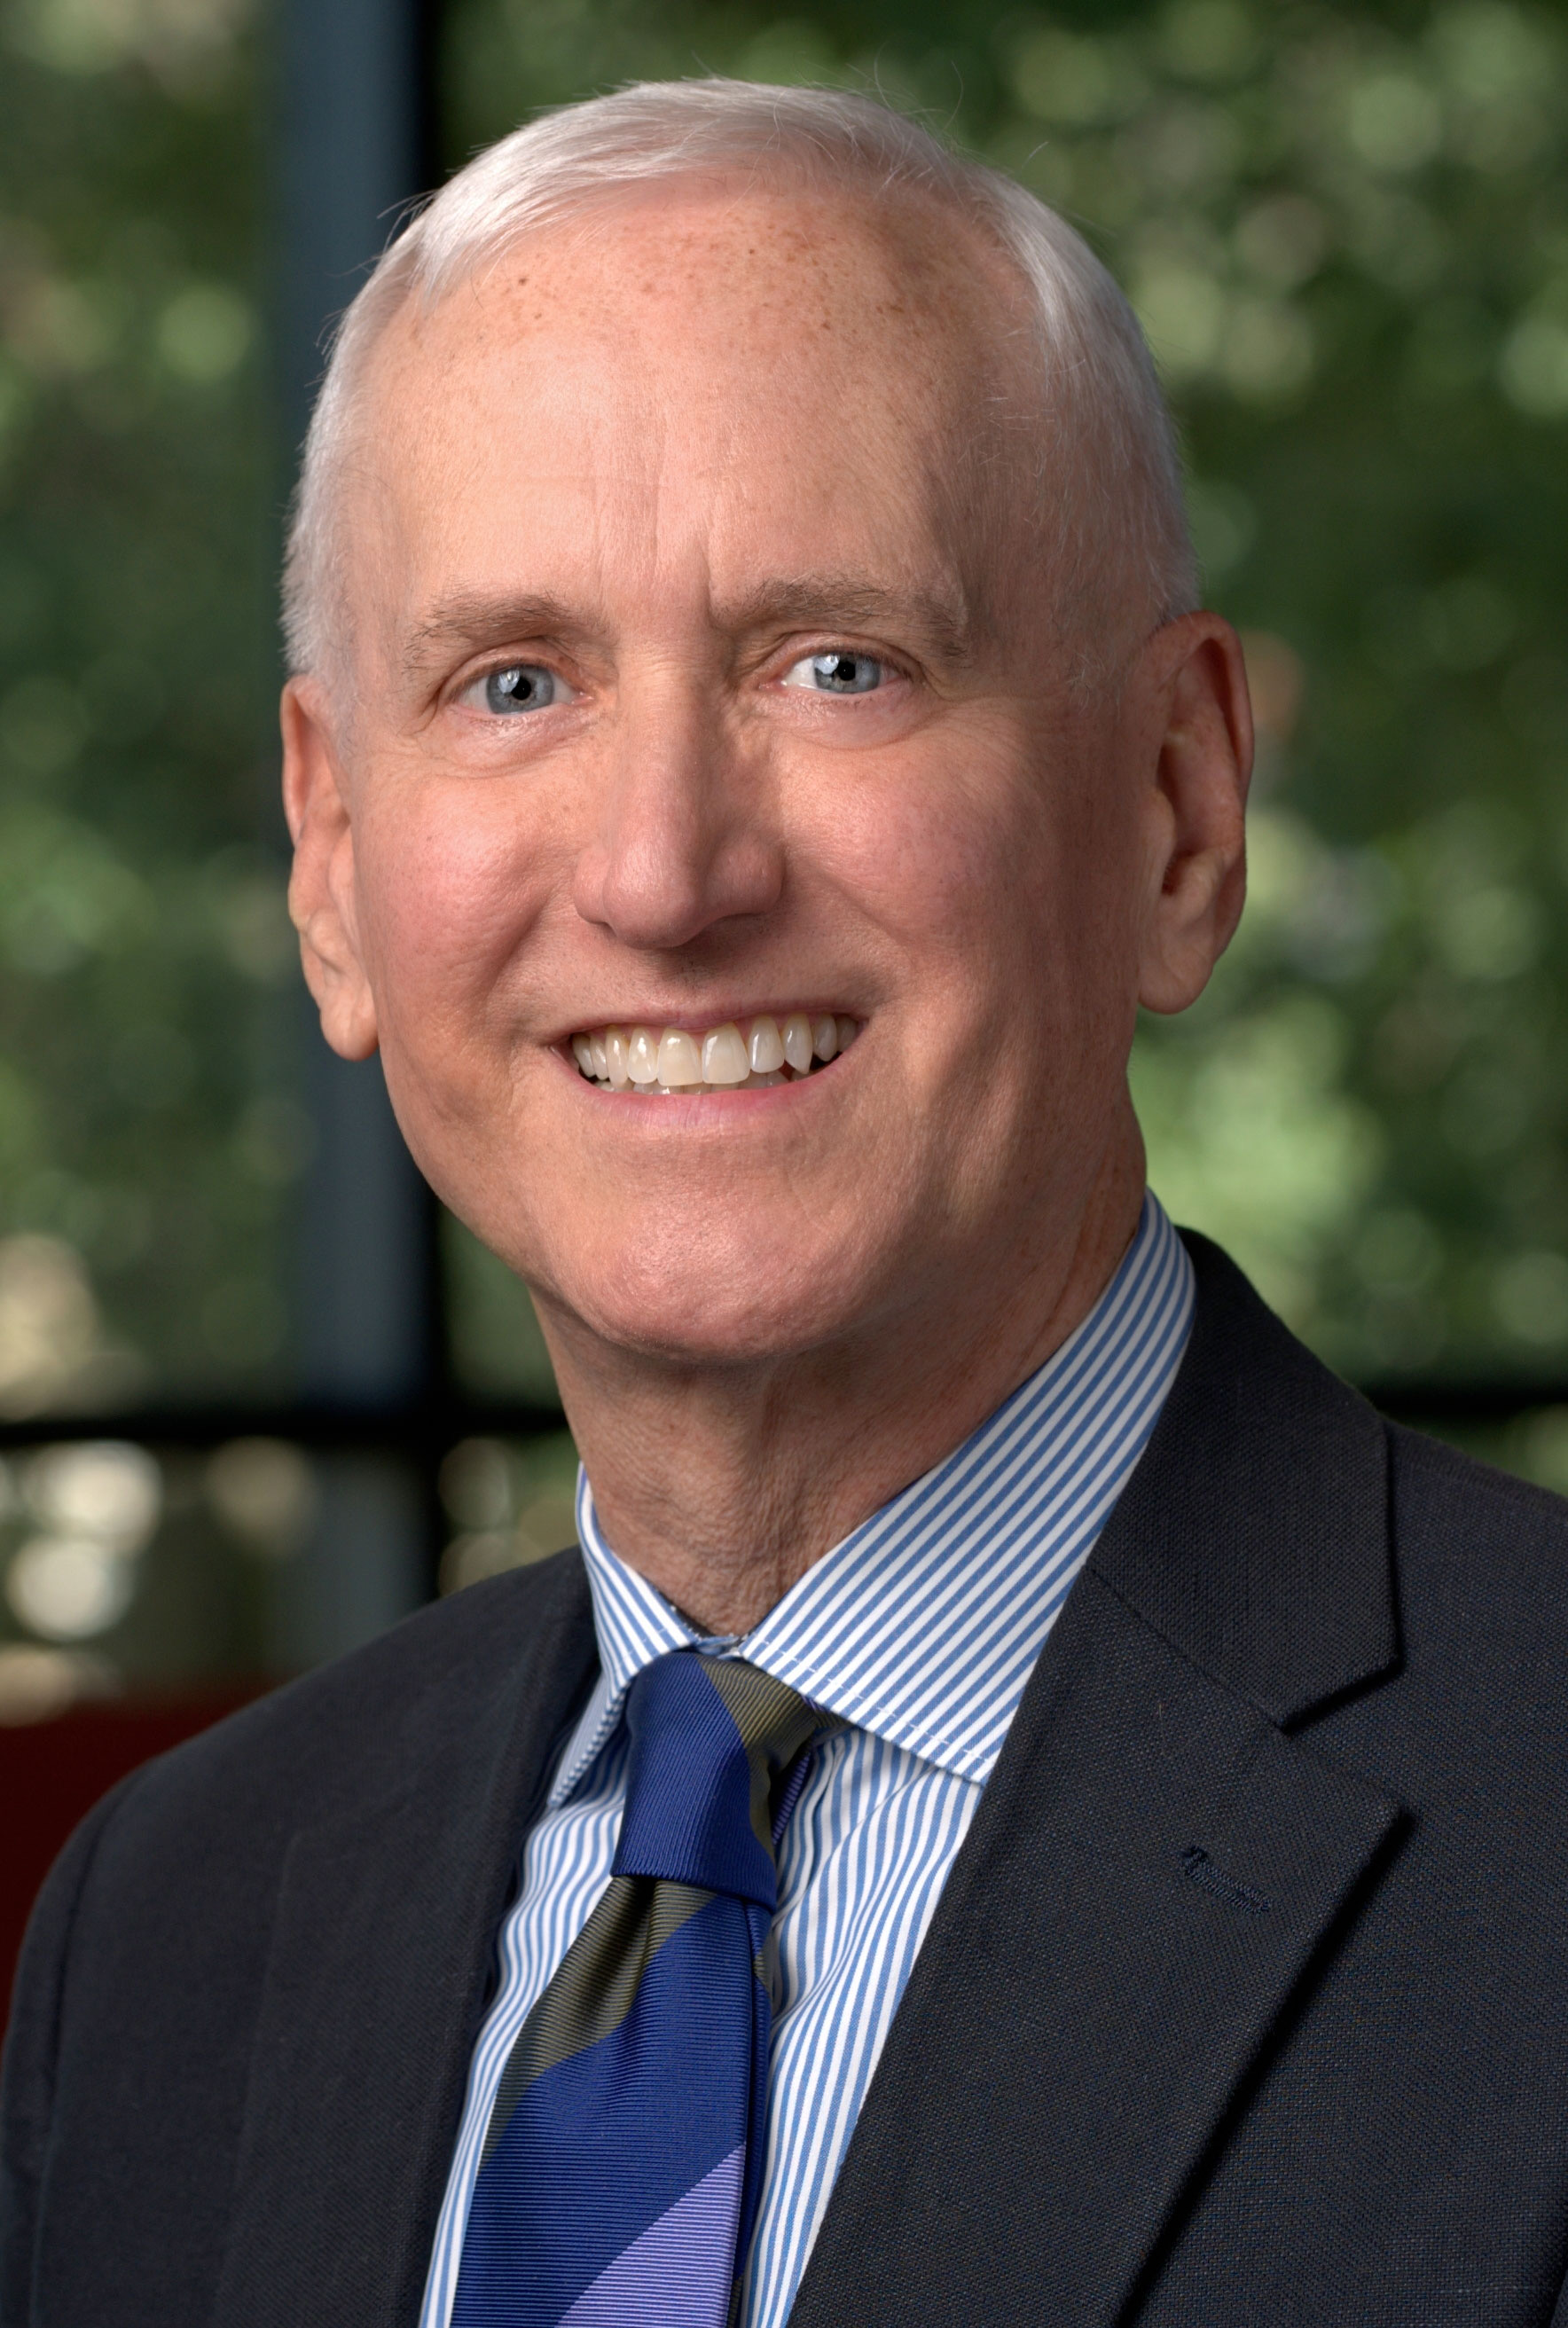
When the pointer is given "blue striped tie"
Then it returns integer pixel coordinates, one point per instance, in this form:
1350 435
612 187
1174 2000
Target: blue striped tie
624 2150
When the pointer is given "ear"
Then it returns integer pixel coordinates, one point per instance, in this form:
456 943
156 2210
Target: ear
321 889
1195 734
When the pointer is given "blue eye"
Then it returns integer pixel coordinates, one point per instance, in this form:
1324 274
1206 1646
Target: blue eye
838 673
523 687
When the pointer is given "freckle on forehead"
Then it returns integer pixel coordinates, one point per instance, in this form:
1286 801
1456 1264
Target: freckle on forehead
891 315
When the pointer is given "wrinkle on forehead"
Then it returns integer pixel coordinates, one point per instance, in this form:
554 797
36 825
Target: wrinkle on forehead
928 308
920 327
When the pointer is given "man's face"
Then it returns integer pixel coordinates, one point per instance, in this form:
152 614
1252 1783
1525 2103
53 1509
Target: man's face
705 677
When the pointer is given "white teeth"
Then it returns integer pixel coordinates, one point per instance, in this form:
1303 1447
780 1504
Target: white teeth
680 1060
797 1042
766 1049
755 1054
724 1058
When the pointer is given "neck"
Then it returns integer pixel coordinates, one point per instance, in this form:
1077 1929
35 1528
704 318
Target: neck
723 1485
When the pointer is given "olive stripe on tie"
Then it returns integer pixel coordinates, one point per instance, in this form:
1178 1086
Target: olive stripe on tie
623 2156
1018 1509
599 1975
765 1711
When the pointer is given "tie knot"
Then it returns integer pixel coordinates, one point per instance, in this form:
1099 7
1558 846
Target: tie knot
710 1739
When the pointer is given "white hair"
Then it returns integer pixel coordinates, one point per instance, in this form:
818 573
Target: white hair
1122 499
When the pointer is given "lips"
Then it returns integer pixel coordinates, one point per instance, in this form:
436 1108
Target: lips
747 1054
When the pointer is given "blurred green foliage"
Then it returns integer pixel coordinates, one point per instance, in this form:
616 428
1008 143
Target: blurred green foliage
1347 232
148 1132
1346 229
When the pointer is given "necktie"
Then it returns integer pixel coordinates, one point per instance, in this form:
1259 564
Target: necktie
624 2155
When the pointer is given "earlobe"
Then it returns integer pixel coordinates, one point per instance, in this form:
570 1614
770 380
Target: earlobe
321 889
1201 757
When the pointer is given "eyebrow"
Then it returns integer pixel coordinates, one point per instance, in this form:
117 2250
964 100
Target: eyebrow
468 620
941 621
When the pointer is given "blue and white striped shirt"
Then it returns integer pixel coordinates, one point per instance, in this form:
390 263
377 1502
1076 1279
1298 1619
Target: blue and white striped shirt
919 1630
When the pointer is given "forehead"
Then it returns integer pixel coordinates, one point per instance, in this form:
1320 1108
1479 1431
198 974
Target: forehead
712 373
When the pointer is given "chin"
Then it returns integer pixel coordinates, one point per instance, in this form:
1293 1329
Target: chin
703 1297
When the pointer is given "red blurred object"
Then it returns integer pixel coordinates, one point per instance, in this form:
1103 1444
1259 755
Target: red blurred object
53 1772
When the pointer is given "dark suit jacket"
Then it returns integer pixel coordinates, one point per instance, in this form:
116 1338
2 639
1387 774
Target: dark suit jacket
1246 2000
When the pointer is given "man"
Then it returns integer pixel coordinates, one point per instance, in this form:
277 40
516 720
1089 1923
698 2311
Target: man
1030 1803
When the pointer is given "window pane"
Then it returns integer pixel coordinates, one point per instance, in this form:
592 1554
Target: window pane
157 1571
149 1131
1349 244
507 1503
495 1347
153 1569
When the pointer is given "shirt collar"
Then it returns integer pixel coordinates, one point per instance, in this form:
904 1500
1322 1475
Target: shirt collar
923 1623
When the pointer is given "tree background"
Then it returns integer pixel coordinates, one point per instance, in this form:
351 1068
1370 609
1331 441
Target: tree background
1346 229
148 1122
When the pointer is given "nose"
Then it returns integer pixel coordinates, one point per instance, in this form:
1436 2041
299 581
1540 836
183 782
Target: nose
683 839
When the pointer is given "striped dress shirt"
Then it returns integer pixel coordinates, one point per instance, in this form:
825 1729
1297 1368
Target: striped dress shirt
919 1630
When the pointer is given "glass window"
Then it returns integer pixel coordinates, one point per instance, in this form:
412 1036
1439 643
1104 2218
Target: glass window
150 1129
1348 238
197 1494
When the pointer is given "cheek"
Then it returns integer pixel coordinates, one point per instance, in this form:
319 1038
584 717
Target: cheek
451 882
998 867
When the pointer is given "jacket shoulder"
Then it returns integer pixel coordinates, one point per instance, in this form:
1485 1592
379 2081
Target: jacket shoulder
1470 1520
1351 1542
198 1836
373 1809
357 1728
1439 1496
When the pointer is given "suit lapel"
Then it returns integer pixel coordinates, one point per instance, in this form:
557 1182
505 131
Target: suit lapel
375 1985
1155 1867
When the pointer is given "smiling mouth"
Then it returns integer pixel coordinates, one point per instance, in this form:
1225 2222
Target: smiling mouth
749 1055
